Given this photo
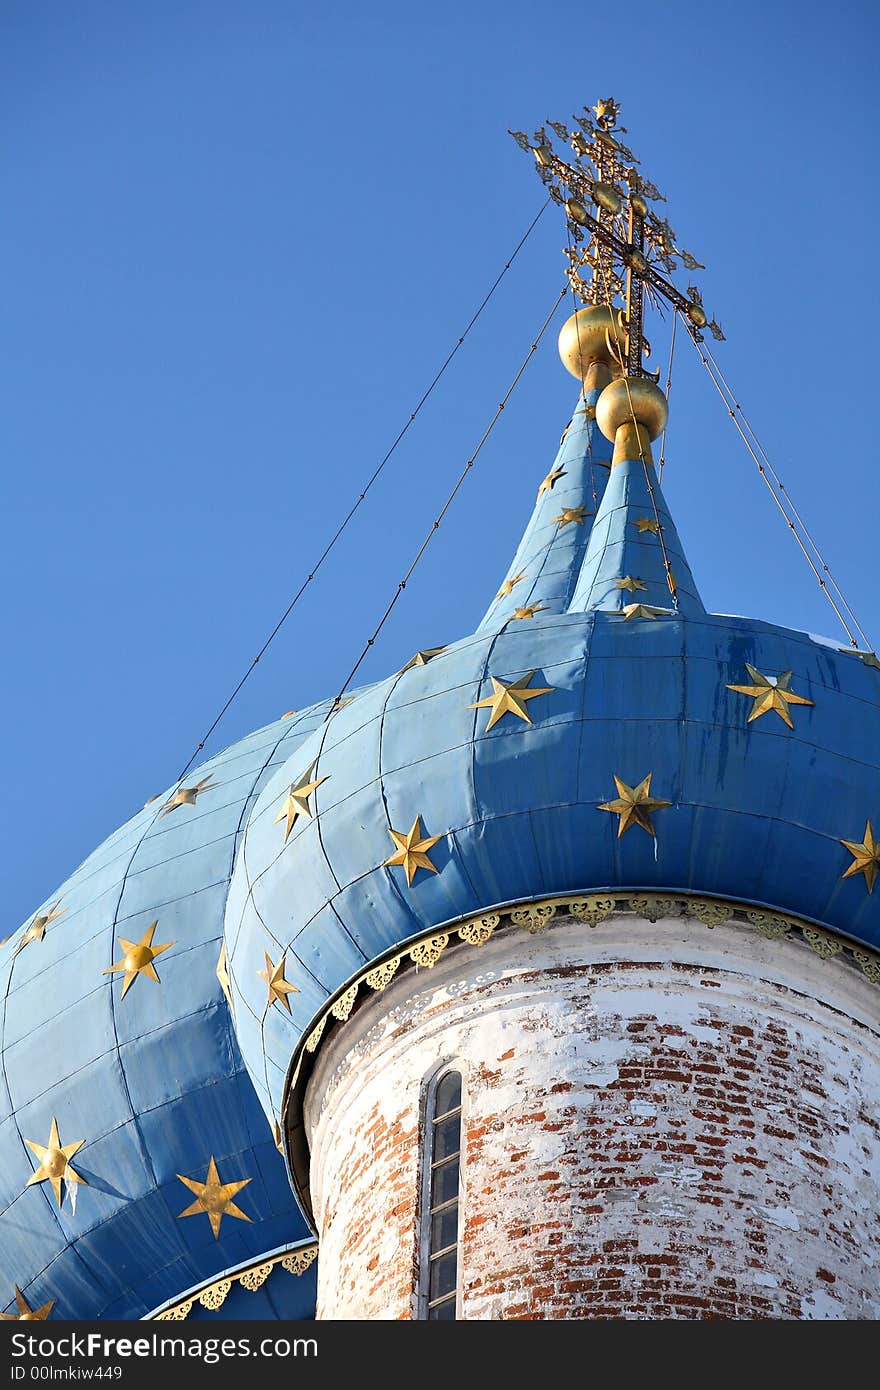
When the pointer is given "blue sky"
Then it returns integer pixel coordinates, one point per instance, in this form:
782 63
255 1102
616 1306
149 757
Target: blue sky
238 241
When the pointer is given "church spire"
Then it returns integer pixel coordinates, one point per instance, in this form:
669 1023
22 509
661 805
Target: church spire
624 552
549 558
635 558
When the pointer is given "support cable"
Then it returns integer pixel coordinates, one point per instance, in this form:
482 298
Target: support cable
667 390
446 505
772 481
363 493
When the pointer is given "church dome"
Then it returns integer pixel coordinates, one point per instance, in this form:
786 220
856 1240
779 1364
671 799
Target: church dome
599 734
121 1089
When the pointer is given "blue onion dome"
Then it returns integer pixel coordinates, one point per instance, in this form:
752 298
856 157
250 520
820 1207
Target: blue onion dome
123 1090
600 732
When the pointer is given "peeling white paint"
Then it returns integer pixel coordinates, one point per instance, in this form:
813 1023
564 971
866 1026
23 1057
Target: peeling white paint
782 1217
597 1129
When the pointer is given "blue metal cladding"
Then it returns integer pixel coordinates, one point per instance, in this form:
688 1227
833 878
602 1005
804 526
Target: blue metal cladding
550 555
155 1083
621 547
757 814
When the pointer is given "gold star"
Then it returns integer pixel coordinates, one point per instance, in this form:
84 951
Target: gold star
646 523
870 659
575 514
289 713
548 483
589 411
340 702
37 929
507 586
297 803
630 584
422 658
510 698
866 857
138 959
222 973
185 796
529 611
640 610
278 986
214 1198
412 850
25 1313
55 1159
634 805
606 109
769 694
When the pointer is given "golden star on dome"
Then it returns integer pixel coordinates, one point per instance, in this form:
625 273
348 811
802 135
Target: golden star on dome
646 523
214 1198
572 514
520 614
37 929
551 479
630 584
870 659
769 694
634 805
340 702
186 796
412 850
510 698
222 973
278 986
866 857
55 1167
640 610
138 959
507 586
289 713
587 410
422 658
24 1313
297 803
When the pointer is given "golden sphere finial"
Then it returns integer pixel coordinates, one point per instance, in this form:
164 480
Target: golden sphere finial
632 411
591 335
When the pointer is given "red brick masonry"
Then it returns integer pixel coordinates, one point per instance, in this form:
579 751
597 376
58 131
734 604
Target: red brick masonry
694 1133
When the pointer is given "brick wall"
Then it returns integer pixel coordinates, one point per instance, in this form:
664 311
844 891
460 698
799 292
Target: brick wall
661 1121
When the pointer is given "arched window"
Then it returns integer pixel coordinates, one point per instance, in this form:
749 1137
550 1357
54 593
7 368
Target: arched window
440 1198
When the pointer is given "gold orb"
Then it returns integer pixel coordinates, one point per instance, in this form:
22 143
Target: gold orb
697 315
543 155
604 196
632 396
590 335
638 262
638 204
576 210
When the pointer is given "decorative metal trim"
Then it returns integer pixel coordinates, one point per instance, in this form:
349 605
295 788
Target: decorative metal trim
533 917
252 1277
592 909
